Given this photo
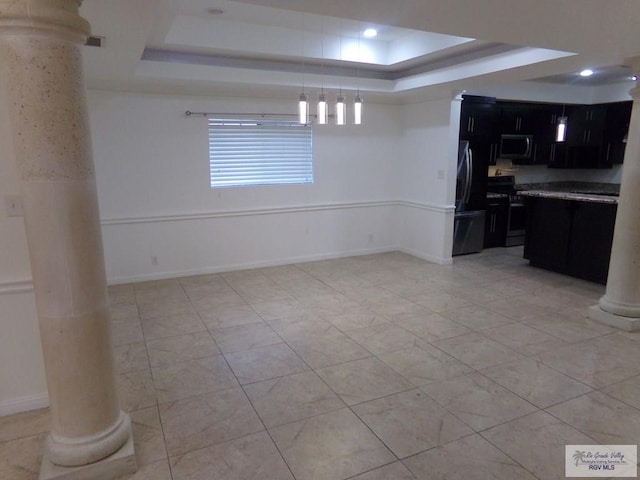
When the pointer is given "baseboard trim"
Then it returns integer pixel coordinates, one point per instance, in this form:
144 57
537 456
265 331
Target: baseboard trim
24 404
425 256
249 265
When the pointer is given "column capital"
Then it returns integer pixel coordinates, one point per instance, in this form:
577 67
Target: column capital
59 17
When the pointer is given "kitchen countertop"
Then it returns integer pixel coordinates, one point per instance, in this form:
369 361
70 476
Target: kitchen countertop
496 196
581 197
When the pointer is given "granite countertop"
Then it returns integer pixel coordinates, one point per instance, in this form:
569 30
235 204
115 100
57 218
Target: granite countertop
496 196
581 197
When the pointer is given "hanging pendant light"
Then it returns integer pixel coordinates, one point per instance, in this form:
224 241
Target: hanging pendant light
341 110
323 110
561 129
303 101
323 107
357 110
357 102
303 109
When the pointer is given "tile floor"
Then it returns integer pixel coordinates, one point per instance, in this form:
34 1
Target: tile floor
375 367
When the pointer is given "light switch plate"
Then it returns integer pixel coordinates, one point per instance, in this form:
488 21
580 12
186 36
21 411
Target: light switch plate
13 205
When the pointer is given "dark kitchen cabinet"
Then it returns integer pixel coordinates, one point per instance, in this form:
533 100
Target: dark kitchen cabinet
569 236
547 239
496 222
615 132
585 125
518 118
592 226
584 141
478 118
478 125
558 155
546 149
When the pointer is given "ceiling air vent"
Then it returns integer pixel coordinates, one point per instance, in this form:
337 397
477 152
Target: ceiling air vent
95 41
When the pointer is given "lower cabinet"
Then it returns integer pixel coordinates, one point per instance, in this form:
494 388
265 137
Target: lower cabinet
496 222
569 236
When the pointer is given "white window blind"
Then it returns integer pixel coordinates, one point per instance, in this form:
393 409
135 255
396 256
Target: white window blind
259 152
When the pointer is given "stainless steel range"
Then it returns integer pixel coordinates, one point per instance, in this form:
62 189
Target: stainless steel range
517 218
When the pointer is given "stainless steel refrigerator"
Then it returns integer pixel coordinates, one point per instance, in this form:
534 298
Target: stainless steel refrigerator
468 227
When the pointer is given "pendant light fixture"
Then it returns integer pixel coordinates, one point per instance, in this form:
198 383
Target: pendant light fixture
341 110
303 109
341 106
357 103
323 108
357 110
561 129
303 102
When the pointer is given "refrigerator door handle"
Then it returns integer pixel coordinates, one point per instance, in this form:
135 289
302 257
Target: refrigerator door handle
467 187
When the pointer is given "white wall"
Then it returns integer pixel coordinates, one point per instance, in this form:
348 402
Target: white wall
378 187
426 188
155 199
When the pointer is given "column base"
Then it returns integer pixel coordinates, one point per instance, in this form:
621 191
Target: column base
628 324
117 464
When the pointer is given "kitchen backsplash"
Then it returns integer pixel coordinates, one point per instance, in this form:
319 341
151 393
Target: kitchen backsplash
542 174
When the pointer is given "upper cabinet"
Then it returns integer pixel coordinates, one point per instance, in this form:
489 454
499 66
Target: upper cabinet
585 126
535 123
615 131
596 135
479 118
518 118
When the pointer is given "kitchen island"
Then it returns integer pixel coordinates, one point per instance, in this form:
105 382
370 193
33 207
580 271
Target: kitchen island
570 232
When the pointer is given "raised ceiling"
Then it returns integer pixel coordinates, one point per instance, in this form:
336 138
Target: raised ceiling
424 48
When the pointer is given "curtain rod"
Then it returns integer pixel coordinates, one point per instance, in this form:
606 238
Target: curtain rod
261 115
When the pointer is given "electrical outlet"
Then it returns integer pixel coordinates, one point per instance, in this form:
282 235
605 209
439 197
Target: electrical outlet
440 174
154 260
13 205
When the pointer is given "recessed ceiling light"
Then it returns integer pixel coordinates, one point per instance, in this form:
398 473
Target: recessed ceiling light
370 32
587 72
215 11
634 77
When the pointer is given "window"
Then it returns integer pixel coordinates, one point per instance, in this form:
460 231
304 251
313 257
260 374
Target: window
259 152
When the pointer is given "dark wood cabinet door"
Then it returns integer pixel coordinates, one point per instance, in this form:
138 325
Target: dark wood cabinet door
518 118
495 224
478 120
586 125
616 131
548 232
592 226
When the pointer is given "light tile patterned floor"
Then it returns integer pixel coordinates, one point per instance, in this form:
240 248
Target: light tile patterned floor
376 367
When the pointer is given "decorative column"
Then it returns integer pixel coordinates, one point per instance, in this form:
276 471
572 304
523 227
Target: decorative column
620 306
40 45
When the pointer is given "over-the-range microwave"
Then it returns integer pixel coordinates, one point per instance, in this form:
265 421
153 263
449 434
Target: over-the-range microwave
516 146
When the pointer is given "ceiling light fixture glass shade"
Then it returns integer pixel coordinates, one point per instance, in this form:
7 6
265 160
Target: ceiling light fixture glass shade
323 110
561 131
303 109
357 110
341 110
370 33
